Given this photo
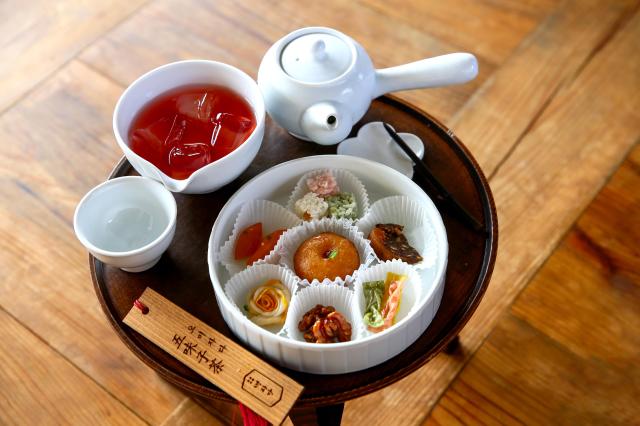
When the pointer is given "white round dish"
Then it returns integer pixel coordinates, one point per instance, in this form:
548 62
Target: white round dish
275 184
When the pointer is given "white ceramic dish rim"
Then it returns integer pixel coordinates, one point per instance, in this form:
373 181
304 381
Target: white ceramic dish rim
258 111
146 181
440 265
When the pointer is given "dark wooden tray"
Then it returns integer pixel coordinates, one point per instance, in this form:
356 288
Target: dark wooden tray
182 274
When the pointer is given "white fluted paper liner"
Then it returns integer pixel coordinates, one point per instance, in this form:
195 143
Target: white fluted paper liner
237 289
411 293
294 237
272 216
347 182
418 225
341 298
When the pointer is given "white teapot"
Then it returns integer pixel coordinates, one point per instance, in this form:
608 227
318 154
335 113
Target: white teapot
318 82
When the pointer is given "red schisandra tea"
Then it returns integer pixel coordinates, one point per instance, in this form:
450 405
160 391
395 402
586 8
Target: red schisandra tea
189 127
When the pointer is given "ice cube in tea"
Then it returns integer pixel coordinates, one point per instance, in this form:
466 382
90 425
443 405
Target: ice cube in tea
229 133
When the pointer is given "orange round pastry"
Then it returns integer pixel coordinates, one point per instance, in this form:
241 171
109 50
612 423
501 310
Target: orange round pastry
326 255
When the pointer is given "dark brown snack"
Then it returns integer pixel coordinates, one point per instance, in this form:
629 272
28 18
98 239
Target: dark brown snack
313 315
322 324
326 255
389 242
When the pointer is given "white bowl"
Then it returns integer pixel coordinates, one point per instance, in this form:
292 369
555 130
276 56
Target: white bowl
335 358
177 74
127 222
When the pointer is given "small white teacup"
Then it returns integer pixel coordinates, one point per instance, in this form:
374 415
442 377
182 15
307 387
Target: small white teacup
127 222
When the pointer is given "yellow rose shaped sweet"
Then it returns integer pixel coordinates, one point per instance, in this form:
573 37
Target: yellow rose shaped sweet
268 303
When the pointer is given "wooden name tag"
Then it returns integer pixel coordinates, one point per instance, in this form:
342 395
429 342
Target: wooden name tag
232 368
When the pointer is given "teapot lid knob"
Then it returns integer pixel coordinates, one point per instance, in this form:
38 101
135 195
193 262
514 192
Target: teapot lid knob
316 57
319 51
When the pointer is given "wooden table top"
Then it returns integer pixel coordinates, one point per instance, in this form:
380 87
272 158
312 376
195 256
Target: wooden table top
553 119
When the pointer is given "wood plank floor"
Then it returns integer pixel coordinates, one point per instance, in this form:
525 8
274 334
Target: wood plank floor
553 119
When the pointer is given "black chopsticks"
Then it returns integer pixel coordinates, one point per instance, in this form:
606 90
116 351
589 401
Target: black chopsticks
423 171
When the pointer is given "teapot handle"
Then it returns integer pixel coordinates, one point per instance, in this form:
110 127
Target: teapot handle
454 68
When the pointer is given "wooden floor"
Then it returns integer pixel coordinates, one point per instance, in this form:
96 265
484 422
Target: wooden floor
553 119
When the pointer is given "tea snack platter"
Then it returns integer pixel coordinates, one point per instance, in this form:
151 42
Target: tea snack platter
182 274
365 349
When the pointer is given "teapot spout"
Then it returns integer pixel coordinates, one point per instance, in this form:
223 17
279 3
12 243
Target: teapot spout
326 123
445 70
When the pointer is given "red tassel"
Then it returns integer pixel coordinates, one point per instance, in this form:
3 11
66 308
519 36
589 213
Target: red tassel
143 308
250 418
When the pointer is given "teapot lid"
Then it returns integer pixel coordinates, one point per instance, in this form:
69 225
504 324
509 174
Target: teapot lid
316 57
